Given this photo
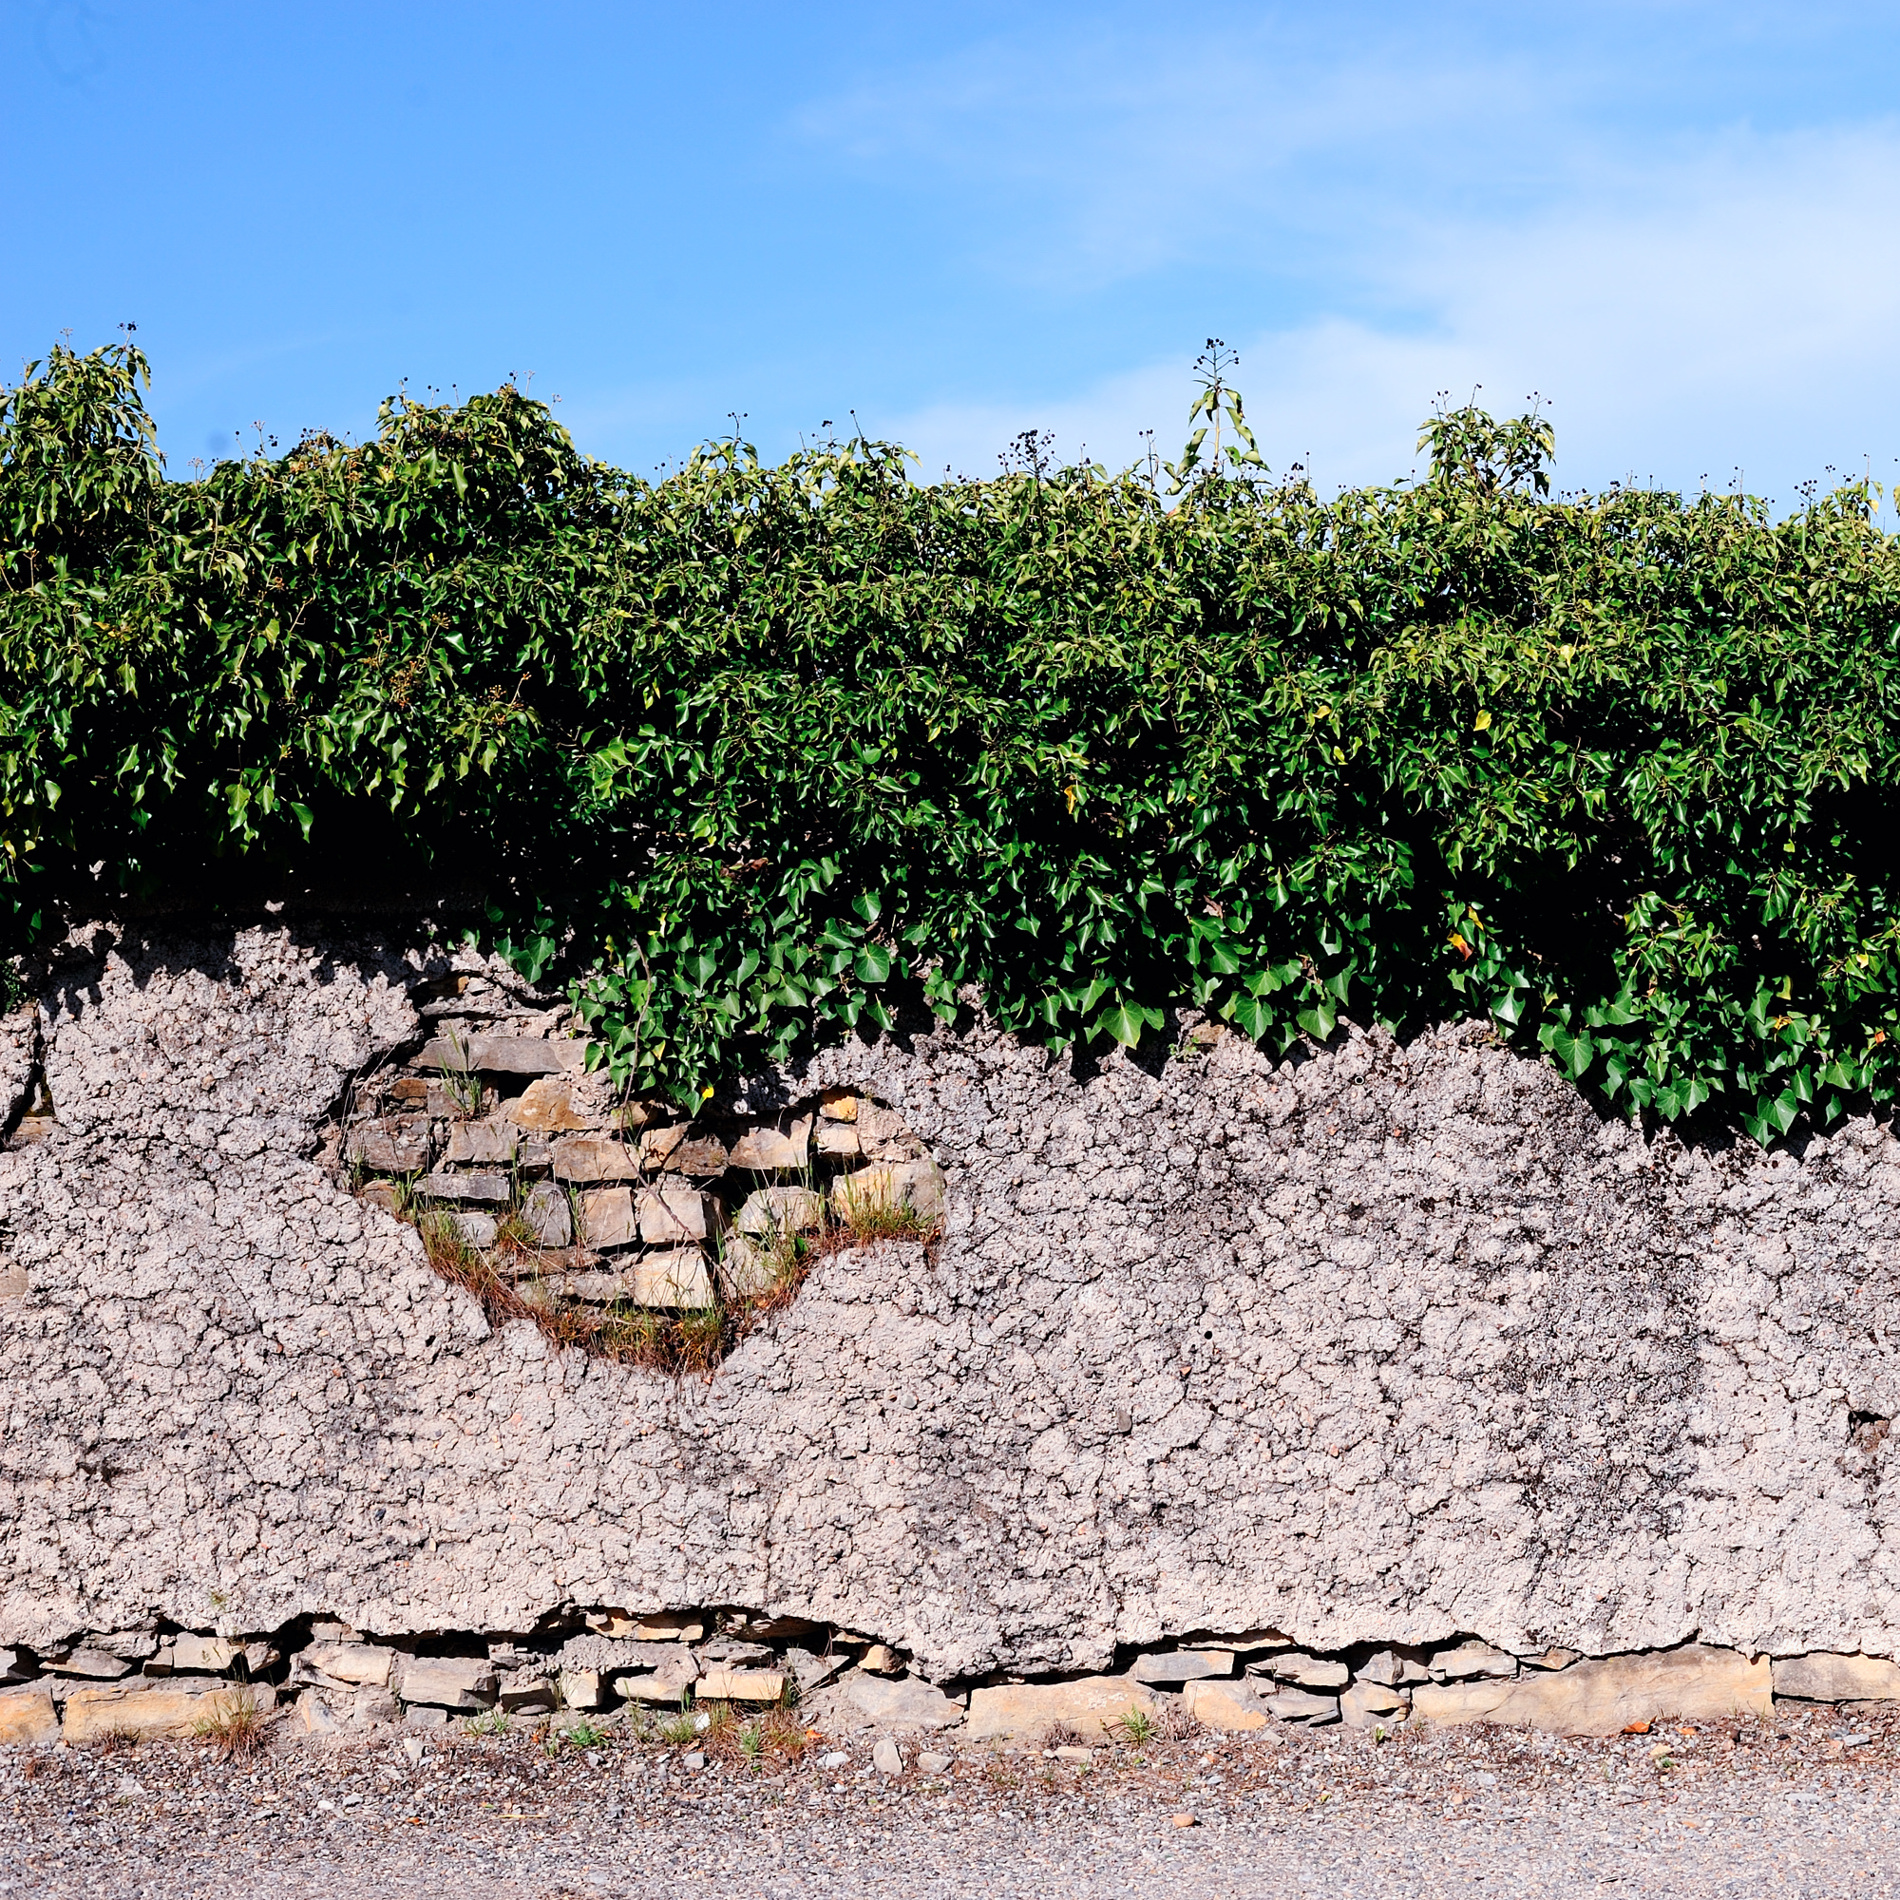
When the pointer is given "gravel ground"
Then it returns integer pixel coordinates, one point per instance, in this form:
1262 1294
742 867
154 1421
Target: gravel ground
1797 1810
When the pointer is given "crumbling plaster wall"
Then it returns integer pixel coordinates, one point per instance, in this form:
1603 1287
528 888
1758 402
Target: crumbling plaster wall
1389 1344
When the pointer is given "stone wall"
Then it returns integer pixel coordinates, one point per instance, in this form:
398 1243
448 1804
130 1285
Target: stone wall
1389 1348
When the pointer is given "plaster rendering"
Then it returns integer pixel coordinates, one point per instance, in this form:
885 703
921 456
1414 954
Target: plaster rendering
1386 1346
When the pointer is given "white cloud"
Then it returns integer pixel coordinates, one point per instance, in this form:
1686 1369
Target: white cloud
1738 305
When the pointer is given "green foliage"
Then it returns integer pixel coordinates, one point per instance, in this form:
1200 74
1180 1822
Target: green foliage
755 754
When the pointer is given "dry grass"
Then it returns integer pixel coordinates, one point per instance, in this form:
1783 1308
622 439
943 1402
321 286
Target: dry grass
777 1735
235 1729
688 1342
684 1343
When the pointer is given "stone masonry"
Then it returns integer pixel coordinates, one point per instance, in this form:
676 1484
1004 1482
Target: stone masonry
1333 1369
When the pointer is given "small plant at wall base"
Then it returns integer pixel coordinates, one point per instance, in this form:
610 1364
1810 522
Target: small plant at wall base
756 755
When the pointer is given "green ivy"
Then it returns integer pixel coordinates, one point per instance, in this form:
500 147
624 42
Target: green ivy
754 755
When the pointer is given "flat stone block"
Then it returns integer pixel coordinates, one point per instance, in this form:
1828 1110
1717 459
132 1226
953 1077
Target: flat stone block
548 1106
488 1143
505 1055
680 1277
28 1717
493 1189
549 1217
593 1158
770 1151
1295 1666
607 1217
447 1682
768 1212
673 1213
678 1150
901 1702
1182 1665
146 1714
1231 1707
1027 1711
357 1663
1826 1677
740 1685
1604 1695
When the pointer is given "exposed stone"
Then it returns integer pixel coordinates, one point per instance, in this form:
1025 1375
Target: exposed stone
1600 1696
583 1689
1825 1677
375 1705
918 1185
838 1105
530 1691
1182 1665
1552 1658
593 1158
678 1150
813 1672
504 1055
886 1757
931 1763
881 1660
1373 1705
17 1665
1231 1707
1470 1661
739 1685
673 1213
487 1142
597 1289
657 1628
147 1712
442 1186
1393 1668
666 1683
360 1664
1287 1704
748 1269
549 1105
772 1151
95 1664
771 1211
883 1136
447 1682
735 1650
548 1215
315 1714
608 1218
837 1139
1304 1671
27 1718
1027 1711
399 1145
900 1702
679 1277
129 1645
477 1230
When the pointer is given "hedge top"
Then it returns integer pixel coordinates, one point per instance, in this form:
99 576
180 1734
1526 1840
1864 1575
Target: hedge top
752 752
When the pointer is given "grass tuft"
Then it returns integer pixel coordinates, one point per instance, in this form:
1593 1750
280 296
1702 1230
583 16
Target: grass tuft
236 1728
690 1342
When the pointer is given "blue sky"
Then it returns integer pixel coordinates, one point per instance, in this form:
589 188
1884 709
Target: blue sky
1679 222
